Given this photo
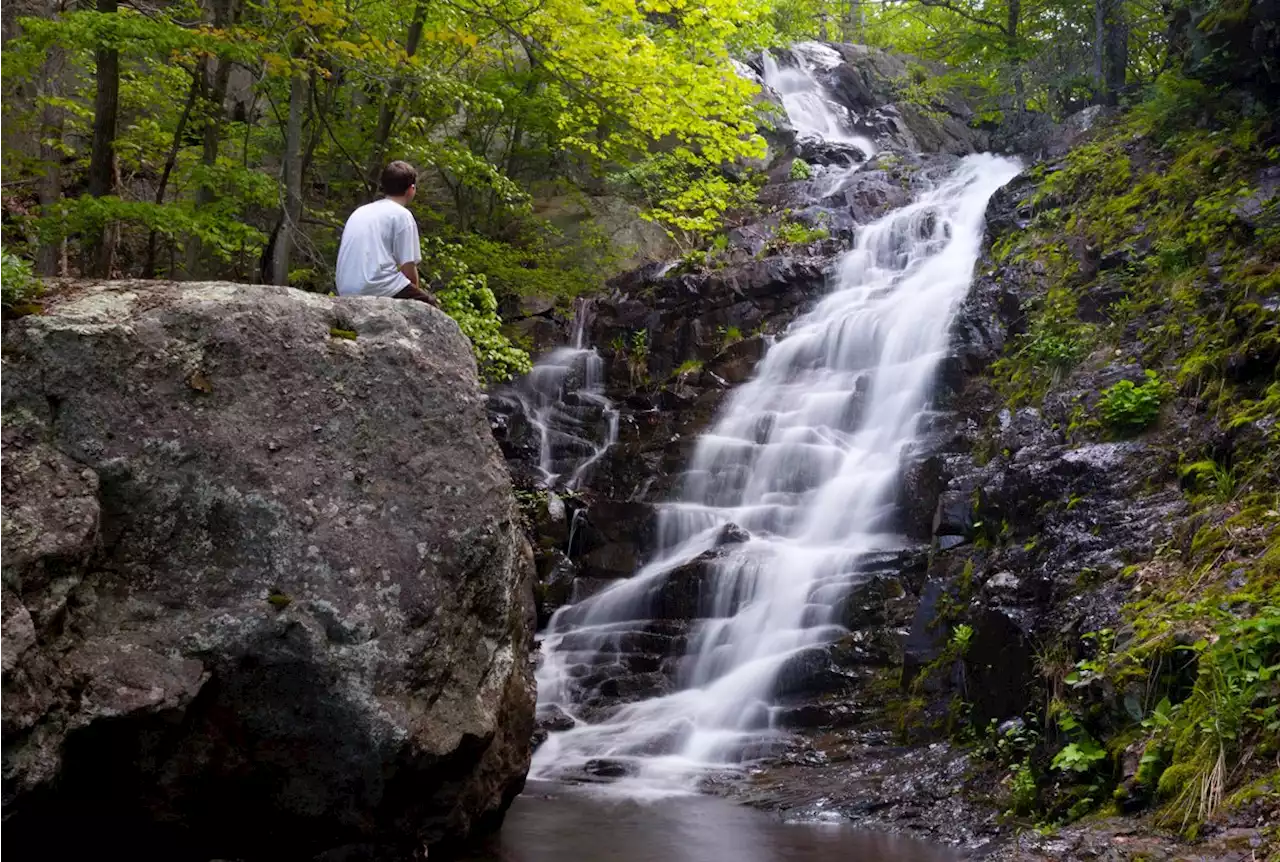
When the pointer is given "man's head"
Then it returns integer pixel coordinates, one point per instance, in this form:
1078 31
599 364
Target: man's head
399 181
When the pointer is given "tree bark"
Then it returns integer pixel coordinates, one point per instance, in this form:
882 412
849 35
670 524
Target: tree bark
291 212
213 91
51 255
1012 23
1110 51
1117 51
102 158
387 110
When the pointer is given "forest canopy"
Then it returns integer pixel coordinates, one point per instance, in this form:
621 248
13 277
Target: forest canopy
230 139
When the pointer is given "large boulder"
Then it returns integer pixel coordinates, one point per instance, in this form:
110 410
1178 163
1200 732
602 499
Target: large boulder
265 595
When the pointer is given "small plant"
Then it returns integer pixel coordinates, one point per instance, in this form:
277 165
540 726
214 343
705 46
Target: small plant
638 356
800 170
961 638
790 232
1128 408
1210 478
1022 789
689 366
18 286
1080 757
729 335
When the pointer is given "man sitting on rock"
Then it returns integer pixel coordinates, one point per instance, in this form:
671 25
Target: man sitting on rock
379 253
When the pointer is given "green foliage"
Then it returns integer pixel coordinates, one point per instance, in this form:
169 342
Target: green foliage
799 170
1082 756
497 102
1128 408
729 335
961 637
688 197
1023 789
793 232
465 296
337 332
689 366
18 285
1208 477
538 263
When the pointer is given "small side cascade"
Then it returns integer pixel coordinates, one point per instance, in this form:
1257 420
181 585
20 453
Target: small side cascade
563 398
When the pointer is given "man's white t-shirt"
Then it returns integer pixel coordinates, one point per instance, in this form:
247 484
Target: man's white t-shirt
378 239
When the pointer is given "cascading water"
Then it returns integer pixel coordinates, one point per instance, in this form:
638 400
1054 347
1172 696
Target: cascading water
804 457
812 113
563 399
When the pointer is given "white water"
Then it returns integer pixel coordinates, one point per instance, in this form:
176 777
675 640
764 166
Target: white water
811 111
804 456
563 399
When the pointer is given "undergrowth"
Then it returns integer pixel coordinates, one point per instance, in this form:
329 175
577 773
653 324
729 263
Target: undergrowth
1152 256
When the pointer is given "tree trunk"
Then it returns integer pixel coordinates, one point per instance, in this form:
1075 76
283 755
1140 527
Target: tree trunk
291 212
149 267
1110 51
1012 24
387 110
51 256
1117 51
102 158
213 90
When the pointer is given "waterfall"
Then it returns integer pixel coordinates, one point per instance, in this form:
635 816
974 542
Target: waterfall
785 496
813 114
563 399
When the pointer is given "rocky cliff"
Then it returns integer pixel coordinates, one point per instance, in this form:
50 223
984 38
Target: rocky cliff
265 595
1083 621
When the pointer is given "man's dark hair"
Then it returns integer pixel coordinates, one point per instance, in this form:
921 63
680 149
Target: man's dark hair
397 177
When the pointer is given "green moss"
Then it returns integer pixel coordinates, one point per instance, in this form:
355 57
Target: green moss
349 334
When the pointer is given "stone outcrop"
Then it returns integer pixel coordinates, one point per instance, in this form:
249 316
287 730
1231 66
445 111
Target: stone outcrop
265 593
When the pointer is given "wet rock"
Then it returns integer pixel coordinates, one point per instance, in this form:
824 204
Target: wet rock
819 151
232 593
614 560
736 362
605 768
731 534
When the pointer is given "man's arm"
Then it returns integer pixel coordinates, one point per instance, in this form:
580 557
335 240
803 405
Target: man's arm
410 271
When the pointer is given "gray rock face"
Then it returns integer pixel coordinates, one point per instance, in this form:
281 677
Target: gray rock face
265 595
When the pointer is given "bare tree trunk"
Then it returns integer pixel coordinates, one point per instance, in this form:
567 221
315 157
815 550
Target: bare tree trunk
387 110
1099 55
291 212
102 158
1110 51
51 256
213 90
1117 51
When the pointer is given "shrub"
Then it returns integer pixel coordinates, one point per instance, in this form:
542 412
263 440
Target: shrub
1128 408
466 298
800 170
18 285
